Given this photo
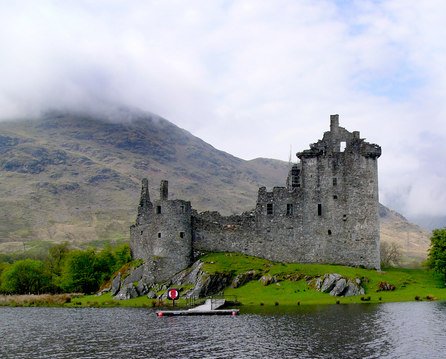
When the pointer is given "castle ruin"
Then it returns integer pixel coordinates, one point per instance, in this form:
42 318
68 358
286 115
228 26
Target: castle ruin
326 213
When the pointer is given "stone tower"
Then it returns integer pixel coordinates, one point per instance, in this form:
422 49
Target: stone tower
161 235
339 182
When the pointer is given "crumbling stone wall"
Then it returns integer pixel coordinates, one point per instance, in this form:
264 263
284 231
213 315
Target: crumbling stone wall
327 213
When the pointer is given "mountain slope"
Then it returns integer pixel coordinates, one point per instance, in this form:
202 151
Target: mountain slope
76 177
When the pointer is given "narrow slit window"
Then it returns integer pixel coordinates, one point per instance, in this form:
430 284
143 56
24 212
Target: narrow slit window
269 208
182 209
319 209
289 209
335 197
329 232
158 209
335 181
181 234
159 234
343 146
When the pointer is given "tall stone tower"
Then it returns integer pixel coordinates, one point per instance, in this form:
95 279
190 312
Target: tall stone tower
162 234
339 182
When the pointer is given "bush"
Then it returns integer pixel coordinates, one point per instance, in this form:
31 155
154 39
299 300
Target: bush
27 276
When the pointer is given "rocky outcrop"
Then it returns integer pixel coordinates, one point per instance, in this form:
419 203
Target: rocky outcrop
128 283
204 284
337 286
195 282
267 279
244 278
133 283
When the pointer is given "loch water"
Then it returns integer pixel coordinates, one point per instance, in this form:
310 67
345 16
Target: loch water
391 330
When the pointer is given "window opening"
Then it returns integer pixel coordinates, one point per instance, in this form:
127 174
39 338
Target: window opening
181 234
182 208
289 209
329 232
335 197
343 146
158 209
159 234
269 208
335 181
319 209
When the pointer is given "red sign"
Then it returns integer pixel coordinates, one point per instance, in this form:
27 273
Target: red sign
173 294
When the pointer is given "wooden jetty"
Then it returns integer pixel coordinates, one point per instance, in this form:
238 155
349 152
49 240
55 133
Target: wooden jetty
210 307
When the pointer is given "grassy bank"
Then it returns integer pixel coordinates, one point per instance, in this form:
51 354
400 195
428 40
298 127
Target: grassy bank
410 284
292 287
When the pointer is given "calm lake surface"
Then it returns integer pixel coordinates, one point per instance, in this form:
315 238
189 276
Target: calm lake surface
394 330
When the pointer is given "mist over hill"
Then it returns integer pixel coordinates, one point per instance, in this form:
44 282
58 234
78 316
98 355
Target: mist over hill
76 177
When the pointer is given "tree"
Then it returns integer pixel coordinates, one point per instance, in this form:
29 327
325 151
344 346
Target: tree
54 264
123 255
26 276
56 255
390 254
79 272
437 252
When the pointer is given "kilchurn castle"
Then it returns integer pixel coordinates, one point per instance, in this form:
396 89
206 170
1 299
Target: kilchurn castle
326 213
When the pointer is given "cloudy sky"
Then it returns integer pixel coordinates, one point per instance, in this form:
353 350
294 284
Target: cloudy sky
250 77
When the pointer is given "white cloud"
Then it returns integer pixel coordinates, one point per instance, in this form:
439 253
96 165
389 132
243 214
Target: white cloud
249 77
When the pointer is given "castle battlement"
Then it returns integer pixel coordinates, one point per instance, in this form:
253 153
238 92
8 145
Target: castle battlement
326 213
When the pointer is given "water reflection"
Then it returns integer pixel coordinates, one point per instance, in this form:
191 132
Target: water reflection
399 330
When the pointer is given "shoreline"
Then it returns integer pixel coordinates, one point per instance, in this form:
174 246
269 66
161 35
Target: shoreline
78 300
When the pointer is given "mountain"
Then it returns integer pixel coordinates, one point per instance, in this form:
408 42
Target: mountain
413 240
76 177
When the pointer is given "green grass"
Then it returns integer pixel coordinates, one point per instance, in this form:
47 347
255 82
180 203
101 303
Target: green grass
409 283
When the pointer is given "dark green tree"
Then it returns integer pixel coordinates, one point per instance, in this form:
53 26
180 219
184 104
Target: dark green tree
437 251
123 255
79 272
26 276
54 264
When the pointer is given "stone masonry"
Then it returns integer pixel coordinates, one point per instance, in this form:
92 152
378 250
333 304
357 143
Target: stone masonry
326 213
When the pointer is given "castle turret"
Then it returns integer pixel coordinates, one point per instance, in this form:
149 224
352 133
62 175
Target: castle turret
334 123
164 190
145 206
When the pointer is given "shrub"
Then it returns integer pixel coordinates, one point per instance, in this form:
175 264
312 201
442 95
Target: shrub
27 276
